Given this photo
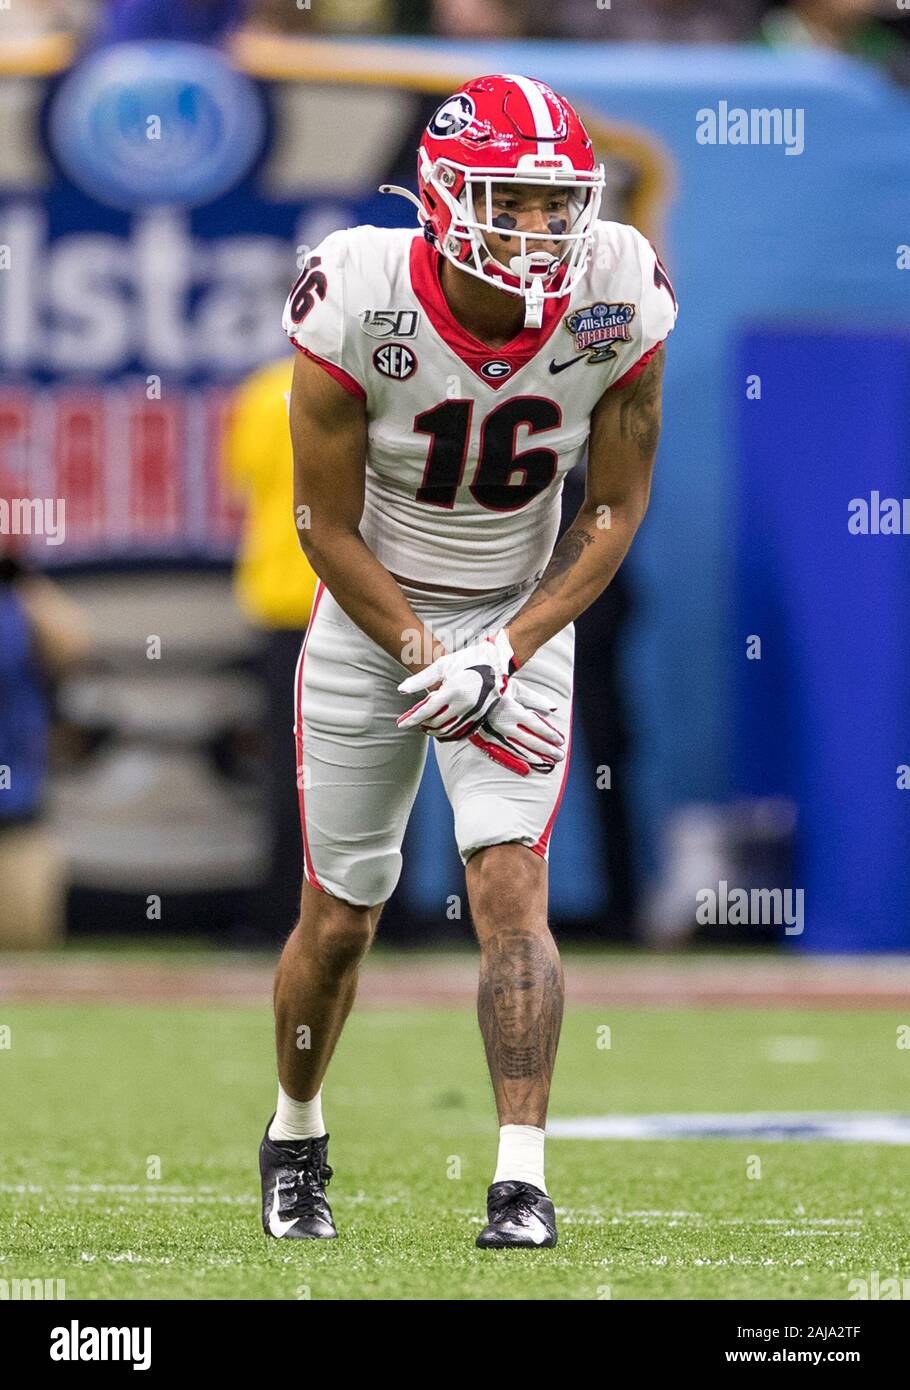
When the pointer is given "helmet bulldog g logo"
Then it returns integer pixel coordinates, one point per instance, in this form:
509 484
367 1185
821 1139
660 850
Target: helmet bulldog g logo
452 117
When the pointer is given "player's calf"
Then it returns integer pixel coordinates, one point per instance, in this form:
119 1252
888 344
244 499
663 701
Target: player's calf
314 990
519 1007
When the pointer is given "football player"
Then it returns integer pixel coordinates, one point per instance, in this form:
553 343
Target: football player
447 379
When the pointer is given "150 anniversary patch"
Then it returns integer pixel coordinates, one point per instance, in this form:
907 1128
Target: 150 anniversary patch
596 326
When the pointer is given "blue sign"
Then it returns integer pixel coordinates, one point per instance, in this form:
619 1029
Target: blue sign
141 124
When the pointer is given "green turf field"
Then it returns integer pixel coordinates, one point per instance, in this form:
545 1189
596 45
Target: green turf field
92 1096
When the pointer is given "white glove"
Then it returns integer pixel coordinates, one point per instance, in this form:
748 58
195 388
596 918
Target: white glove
470 683
516 734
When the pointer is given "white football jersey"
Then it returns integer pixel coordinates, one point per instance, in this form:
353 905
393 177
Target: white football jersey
468 445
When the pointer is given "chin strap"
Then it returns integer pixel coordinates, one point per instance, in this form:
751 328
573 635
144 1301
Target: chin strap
534 305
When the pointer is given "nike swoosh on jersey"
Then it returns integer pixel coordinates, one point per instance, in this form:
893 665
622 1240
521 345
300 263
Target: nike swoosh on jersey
276 1225
561 366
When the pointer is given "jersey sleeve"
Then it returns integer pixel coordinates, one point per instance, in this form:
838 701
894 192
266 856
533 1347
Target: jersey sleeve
656 316
314 314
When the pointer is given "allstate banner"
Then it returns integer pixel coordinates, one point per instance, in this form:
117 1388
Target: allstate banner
147 266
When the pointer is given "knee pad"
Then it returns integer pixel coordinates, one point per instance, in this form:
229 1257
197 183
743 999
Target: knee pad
481 821
362 881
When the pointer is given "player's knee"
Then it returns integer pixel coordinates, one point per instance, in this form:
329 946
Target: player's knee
341 934
343 944
506 885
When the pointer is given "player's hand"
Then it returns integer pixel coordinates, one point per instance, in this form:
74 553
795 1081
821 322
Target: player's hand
517 734
464 687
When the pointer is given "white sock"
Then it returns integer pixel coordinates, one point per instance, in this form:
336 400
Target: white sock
297 1119
521 1155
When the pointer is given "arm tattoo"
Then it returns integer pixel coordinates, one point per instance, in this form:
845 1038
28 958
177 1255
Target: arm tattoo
565 557
639 411
630 424
639 422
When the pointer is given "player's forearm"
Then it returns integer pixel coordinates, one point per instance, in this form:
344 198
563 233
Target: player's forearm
371 597
625 429
582 565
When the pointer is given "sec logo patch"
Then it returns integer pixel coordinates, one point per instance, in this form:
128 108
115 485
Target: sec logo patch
395 360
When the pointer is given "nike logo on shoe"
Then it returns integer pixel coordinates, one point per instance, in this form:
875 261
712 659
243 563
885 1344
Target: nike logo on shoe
538 1231
561 366
278 1227
300 1170
518 1214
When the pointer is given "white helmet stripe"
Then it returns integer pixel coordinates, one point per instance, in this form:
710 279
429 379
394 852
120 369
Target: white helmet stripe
540 111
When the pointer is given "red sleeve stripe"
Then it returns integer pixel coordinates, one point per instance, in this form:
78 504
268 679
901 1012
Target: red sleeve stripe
341 376
638 368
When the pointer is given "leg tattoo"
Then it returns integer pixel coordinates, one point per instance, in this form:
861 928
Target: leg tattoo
519 1007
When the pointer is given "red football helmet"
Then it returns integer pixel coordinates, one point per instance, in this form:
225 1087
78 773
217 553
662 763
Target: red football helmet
496 129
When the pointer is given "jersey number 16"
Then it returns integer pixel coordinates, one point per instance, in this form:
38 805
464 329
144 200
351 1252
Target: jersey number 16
449 427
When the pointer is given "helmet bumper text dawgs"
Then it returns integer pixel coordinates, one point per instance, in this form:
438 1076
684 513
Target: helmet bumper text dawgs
492 131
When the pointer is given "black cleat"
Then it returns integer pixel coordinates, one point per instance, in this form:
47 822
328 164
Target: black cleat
518 1214
295 1174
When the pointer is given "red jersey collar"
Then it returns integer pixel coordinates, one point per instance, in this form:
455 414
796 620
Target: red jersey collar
425 262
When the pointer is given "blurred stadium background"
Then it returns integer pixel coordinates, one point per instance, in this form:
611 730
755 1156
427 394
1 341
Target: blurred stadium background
743 696
743 700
